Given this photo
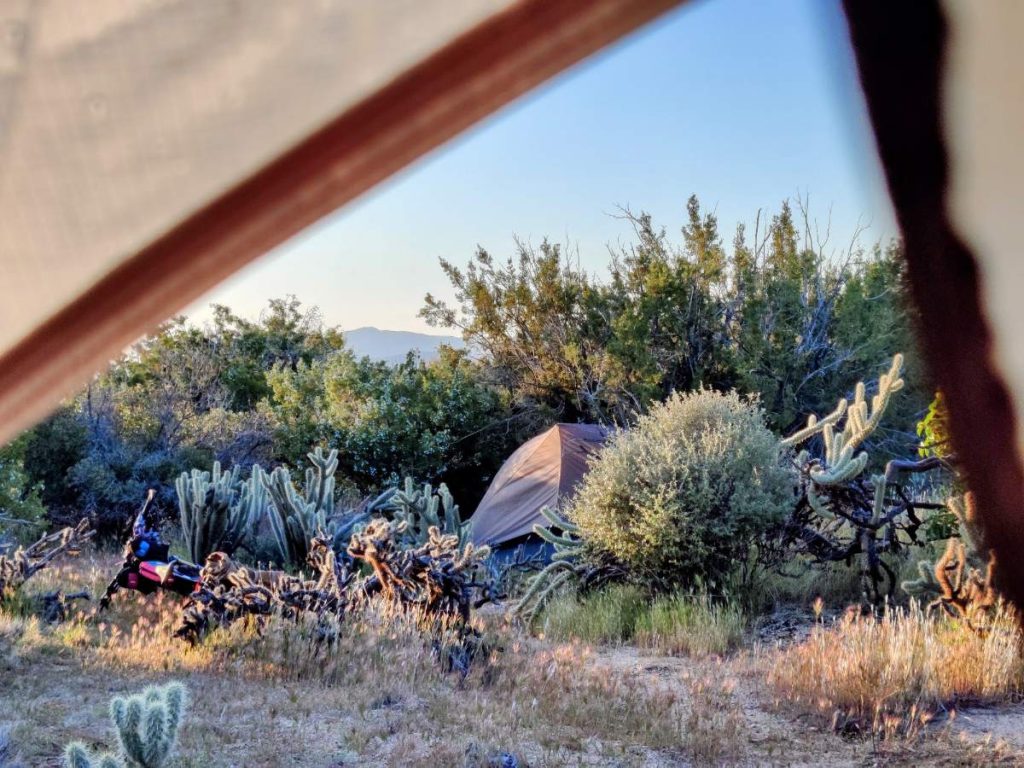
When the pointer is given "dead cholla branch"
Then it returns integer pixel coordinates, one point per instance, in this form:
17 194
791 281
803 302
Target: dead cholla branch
962 581
19 567
440 575
438 580
231 592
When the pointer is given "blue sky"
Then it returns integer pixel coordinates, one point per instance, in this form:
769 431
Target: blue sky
742 102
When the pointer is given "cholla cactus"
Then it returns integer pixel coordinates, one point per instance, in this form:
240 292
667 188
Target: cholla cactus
422 509
147 723
218 512
842 516
562 568
296 518
147 729
77 756
842 461
962 580
570 562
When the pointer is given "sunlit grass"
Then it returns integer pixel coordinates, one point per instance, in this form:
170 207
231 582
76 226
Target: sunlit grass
905 665
373 677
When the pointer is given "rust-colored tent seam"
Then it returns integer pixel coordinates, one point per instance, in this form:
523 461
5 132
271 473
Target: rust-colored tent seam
478 72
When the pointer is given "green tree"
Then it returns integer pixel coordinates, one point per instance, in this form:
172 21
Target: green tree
434 420
21 508
542 327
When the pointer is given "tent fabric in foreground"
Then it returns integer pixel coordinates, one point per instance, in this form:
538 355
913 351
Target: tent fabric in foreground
148 150
541 473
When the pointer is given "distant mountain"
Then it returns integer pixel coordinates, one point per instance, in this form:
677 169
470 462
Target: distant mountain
393 346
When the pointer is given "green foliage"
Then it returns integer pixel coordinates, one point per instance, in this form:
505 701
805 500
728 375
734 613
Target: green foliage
218 512
420 509
297 517
427 420
933 430
678 623
683 496
21 509
147 727
181 398
778 317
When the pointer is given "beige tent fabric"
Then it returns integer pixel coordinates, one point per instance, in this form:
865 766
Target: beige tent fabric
984 113
543 472
151 148
120 118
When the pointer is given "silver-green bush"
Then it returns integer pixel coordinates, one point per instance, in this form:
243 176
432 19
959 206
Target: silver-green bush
682 496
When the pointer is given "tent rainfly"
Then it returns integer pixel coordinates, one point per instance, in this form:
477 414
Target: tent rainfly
541 473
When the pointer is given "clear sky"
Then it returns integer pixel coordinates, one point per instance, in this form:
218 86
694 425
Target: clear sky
743 102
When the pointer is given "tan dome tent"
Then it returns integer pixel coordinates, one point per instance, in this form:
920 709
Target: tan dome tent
542 472
150 150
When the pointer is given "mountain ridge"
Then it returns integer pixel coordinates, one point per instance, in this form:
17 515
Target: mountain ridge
390 346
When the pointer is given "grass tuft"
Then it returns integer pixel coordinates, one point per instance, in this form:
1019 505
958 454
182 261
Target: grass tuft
894 672
681 624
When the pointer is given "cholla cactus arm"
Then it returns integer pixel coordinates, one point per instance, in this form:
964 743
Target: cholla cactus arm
558 521
76 755
541 587
842 462
564 566
147 724
296 518
217 510
814 426
424 508
878 500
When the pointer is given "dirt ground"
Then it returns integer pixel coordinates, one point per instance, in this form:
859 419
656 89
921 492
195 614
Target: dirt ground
379 704
53 698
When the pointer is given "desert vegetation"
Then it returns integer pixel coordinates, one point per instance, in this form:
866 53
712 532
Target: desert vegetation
772 561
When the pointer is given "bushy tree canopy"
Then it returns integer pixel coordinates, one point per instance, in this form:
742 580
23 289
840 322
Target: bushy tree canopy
781 316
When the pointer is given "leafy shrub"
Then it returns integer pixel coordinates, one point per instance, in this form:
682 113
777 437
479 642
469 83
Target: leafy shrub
21 510
680 498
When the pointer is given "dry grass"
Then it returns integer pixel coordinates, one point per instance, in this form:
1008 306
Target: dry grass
282 696
894 673
374 696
